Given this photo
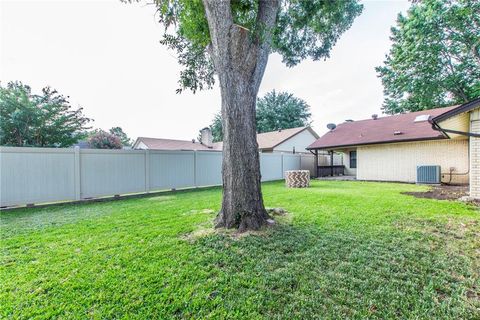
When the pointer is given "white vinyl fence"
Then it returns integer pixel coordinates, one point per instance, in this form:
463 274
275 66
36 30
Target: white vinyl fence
39 175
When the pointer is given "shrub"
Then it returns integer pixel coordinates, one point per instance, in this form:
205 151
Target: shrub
104 140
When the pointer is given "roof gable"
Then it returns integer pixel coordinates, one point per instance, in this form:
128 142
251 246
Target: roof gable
270 140
458 110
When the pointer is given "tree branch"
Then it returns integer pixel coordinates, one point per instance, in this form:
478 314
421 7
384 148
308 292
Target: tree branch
266 19
220 21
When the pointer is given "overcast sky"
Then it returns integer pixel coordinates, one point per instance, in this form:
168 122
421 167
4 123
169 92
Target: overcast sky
106 56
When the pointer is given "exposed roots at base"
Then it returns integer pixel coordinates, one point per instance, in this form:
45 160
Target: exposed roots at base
246 222
214 228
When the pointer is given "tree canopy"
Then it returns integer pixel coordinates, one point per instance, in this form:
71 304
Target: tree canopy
281 111
303 29
43 120
118 131
435 57
275 111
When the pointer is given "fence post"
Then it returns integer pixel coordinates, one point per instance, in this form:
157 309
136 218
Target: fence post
283 168
195 168
77 175
147 170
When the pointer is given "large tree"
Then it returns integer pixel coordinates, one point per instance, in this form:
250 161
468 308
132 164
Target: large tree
38 120
233 40
275 111
435 57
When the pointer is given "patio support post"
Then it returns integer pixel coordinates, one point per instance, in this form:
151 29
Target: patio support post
331 163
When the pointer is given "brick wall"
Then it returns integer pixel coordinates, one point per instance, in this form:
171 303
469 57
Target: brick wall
475 156
399 161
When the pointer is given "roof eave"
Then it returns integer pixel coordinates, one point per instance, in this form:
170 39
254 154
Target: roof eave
374 143
458 110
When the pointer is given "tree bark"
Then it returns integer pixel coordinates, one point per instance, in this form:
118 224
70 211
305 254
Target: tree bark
240 59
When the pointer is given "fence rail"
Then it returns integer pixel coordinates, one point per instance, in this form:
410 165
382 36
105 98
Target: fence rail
40 175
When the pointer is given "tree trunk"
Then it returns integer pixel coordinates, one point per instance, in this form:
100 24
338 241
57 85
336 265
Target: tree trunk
240 59
242 204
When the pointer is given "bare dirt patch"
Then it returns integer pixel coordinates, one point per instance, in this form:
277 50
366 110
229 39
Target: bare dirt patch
444 192
207 228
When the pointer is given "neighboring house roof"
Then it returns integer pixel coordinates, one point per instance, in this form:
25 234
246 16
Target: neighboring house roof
170 144
266 141
269 140
397 128
82 144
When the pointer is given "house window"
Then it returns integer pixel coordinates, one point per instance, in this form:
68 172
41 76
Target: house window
353 159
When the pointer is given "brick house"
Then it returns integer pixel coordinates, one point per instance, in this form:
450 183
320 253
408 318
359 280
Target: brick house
390 148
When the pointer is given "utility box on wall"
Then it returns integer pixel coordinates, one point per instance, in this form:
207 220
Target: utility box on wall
429 174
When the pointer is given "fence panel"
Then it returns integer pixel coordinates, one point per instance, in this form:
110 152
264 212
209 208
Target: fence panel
308 163
171 169
110 172
290 162
271 166
208 168
39 175
29 175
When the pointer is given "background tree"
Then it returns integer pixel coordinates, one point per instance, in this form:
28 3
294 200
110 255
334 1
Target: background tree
281 111
274 111
233 39
44 120
100 139
435 57
118 131
216 127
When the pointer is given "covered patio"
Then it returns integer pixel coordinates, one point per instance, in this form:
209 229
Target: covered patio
330 163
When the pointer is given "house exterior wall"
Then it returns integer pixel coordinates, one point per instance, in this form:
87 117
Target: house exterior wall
398 161
140 145
300 141
475 155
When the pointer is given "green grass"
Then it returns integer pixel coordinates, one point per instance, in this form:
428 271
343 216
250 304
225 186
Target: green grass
346 250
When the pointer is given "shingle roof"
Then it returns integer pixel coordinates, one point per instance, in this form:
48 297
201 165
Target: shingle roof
397 128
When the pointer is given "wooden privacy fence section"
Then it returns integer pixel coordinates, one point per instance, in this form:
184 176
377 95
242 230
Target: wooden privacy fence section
40 175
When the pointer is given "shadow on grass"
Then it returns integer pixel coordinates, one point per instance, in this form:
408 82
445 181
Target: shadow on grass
302 272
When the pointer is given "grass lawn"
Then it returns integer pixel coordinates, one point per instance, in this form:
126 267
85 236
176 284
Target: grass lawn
346 250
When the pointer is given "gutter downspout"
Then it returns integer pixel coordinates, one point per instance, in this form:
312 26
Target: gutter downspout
436 126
